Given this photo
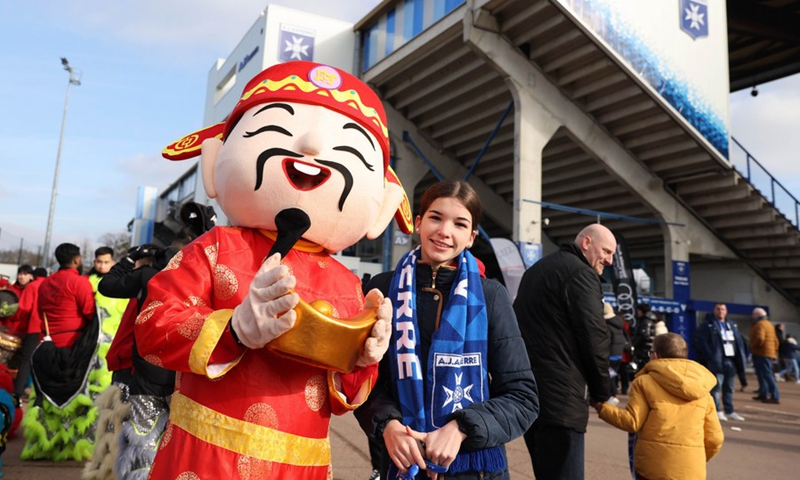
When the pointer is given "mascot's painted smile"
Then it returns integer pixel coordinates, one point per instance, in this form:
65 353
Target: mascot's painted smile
305 176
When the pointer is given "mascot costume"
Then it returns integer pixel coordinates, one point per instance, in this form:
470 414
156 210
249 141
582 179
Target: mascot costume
269 334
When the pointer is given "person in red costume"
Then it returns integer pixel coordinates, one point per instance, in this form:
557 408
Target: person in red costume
300 168
61 429
30 327
66 297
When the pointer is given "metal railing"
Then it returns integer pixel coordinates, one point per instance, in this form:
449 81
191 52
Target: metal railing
758 176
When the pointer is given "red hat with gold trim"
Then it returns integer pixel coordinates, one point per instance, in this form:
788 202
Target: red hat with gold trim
311 83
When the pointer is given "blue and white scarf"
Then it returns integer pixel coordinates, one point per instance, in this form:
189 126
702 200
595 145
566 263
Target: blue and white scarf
457 374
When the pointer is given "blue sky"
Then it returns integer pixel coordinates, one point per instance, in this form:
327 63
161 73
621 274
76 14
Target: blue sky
144 66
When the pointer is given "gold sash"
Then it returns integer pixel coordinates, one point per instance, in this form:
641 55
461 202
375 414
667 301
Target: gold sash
247 438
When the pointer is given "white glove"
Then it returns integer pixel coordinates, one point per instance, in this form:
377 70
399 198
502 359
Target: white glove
267 311
378 342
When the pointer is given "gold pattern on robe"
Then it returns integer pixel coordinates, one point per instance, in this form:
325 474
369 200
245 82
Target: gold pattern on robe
250 468
192 326
153 360
323 263
193 301
316 392
225 282
262 414
175 261
211 253
148 312
167 435
188 476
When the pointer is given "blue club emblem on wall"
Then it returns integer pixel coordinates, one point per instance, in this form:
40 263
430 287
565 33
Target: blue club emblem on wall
694 18
295 43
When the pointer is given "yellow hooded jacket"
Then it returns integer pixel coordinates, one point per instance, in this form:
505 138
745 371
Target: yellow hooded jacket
669 404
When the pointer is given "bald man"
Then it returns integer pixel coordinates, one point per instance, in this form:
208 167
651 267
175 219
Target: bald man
560 313
764 347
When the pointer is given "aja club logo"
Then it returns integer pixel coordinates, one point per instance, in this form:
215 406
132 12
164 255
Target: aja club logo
694 18
295 43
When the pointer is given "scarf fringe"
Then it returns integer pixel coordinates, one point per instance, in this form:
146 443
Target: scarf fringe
487 460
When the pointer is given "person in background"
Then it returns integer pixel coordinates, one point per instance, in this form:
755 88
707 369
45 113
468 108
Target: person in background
110 309
30 329
626 367
720 349
788 352
66 305
560 312
137 404
764 347
17 323
781 334
619 342
647 328
670 408
9 413
643 338
456 377
24 276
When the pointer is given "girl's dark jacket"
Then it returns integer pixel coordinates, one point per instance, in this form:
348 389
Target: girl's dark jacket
513 403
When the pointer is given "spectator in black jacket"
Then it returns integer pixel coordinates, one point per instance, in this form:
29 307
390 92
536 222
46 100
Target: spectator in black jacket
643 339
463 400
560 312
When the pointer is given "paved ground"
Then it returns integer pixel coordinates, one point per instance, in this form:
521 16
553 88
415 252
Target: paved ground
766 445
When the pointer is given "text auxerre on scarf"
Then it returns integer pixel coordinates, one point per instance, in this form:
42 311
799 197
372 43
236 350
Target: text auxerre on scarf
457 374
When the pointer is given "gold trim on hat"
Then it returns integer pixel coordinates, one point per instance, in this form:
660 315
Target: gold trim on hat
348 97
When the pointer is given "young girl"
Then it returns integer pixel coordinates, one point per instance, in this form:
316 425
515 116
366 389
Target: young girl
456 384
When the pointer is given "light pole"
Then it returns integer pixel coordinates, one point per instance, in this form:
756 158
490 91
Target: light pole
74 79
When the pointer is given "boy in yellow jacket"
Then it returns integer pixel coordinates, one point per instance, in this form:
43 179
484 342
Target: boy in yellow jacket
670 407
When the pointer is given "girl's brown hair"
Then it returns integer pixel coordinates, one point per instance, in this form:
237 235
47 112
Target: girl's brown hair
460 190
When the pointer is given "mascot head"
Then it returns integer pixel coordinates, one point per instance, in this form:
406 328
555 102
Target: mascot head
304 153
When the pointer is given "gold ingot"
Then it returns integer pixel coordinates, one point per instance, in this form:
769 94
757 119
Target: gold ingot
320 340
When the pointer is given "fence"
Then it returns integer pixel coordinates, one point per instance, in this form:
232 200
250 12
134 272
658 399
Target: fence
17 250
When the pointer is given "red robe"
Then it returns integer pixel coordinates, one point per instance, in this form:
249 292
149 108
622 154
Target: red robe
27 319
239 413
66 298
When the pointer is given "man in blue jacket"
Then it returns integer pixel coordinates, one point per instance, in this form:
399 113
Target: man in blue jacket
720 349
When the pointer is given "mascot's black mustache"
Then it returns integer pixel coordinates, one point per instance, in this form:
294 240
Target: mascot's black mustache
272 152
266 155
